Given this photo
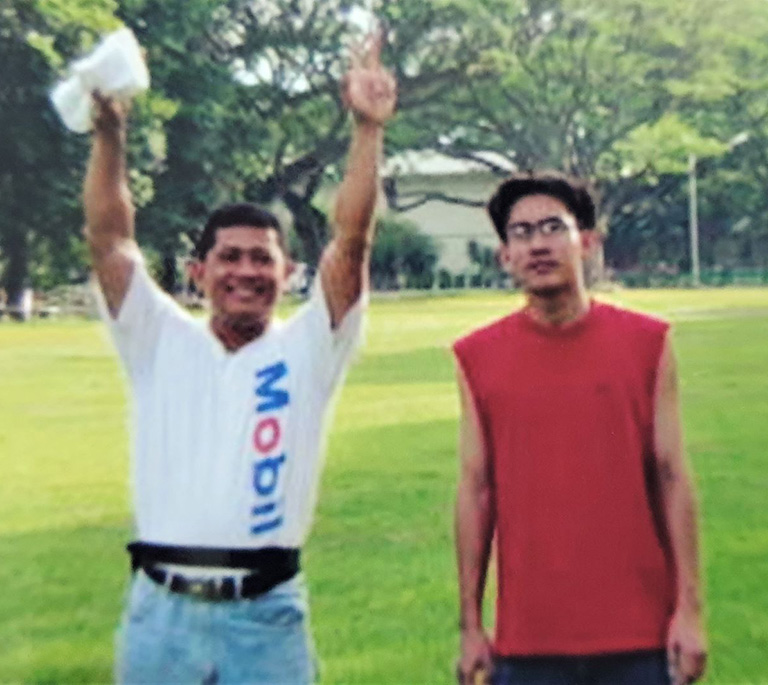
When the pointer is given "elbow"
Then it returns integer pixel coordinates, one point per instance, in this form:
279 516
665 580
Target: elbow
673 478
103 244
353 213
349 252
354 226
667 474
355 246
485 497
477 491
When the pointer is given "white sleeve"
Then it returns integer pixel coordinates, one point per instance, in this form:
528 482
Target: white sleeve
136 329
330 350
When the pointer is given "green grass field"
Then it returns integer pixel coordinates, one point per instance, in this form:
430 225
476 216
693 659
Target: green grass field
380 559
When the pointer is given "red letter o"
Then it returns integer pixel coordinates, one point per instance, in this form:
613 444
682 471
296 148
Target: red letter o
266 436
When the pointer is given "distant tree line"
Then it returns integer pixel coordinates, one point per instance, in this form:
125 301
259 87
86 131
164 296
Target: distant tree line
244 104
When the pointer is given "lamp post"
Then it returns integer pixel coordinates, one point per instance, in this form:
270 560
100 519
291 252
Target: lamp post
693 221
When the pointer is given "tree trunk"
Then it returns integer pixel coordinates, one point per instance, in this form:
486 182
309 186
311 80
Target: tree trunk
16 273
594 267
311 226
169 276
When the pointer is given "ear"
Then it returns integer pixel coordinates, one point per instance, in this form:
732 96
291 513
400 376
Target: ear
590 241
196 271
290 267
502 256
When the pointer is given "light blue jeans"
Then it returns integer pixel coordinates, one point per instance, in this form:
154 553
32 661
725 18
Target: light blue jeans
168 638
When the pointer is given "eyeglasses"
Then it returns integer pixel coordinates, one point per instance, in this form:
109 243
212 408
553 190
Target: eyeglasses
523 231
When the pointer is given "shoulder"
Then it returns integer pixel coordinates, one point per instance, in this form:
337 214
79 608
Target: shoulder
316 312
631 320
485 336
643 335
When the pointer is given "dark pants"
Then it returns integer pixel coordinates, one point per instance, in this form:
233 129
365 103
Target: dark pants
622 668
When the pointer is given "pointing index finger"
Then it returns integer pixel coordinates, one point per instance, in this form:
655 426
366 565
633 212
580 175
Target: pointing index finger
356 54
376 40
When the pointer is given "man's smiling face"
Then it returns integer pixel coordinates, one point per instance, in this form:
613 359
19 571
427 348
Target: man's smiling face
244 272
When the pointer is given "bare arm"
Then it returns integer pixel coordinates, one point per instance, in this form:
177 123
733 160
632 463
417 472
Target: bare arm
474 527
686 640
369 92
109 212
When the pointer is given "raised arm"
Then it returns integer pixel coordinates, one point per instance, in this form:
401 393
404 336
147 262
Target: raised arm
686 645
369 91
109 212
474 527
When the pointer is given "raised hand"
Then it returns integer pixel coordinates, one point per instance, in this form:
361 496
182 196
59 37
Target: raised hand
108 115
368 90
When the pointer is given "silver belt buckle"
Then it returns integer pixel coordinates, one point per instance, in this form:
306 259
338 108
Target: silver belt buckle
212 589
202 588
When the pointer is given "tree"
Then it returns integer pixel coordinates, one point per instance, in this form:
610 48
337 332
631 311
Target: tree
37 210
402 252
259 112
488 271
618 92
41 164
244 105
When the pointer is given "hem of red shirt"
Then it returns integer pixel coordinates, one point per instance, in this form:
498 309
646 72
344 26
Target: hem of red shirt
580 648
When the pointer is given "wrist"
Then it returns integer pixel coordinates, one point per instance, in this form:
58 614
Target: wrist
110 135
472 632
109 147
367 125
471 625
689 605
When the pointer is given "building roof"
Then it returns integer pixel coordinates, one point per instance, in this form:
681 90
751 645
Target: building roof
434 163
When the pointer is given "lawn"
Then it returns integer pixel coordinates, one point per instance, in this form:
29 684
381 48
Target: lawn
380 560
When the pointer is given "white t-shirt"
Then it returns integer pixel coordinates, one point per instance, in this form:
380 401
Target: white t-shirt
227 446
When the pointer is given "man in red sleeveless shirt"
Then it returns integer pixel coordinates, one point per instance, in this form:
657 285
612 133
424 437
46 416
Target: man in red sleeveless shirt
571 454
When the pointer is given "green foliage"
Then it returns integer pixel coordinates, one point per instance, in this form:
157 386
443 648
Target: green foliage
487 269
401 252
621 93
35 158
40 163
69 15
259 113
245 105
665 147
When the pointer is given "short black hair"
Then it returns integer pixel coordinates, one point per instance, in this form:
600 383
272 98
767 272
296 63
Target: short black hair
236 214
574 193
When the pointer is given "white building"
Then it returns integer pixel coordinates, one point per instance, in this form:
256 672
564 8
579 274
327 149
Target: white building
416 175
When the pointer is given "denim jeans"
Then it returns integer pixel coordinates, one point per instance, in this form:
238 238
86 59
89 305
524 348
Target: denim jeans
621 668
172 638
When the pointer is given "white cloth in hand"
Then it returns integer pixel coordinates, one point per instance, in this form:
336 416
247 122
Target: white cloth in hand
116 68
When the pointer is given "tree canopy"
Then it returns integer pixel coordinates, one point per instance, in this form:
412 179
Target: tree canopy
245 105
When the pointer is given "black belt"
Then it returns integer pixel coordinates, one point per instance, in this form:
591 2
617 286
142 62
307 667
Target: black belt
268 567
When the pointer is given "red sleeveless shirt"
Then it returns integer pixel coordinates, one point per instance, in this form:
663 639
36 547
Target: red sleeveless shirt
567 416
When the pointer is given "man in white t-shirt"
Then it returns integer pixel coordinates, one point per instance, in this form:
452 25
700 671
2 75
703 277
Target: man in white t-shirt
228 413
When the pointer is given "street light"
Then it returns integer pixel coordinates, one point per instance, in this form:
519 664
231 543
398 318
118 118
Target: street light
693 221
693 208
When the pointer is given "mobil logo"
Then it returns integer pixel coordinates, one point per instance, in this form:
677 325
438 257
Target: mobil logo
272 399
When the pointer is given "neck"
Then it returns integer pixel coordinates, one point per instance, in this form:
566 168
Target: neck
235 332
558 307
